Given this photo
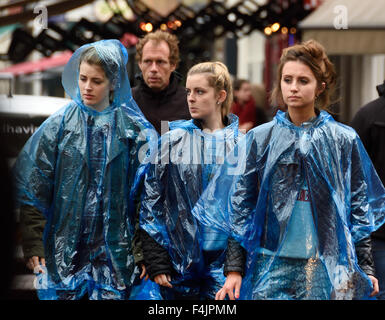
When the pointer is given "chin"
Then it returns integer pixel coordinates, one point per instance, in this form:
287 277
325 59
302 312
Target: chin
296 106
92 104
195 116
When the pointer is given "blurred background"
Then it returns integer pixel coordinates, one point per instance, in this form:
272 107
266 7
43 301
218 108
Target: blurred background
37 38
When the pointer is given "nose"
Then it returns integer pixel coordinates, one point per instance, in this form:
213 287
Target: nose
293 86
88 86
154 67
190 97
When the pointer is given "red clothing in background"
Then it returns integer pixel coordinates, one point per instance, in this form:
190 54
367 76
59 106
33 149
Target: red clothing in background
248 113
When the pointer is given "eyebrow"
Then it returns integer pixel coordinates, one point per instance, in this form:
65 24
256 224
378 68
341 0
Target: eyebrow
94 78
290 75
154 59
195 88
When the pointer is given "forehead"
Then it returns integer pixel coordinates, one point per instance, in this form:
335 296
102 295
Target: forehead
156 50
245 86
91 70
298 69
197 80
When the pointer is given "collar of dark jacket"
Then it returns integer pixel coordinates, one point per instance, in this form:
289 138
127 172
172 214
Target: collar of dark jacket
381 89
175 79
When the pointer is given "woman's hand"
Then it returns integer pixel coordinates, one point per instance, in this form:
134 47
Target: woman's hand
231 287
144 273
163 280
35 264
376 288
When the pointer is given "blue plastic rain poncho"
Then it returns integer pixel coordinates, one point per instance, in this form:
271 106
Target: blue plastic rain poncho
186 161
80 170
298 199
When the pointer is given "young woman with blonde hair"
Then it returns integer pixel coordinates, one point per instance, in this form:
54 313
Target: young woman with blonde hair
183 257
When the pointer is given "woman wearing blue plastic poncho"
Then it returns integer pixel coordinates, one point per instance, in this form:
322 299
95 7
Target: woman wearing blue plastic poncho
76 180
184 258
301 196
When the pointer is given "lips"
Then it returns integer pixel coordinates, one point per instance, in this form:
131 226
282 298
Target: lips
88 96
294 97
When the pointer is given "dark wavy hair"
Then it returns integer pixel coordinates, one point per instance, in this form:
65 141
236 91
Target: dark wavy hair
312 54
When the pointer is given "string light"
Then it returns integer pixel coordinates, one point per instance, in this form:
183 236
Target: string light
268 31
147 27
275 27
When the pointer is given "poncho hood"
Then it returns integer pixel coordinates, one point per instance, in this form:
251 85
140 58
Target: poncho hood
114 58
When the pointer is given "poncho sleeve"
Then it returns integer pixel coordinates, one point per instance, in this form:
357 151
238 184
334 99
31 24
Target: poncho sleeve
367 211
34 169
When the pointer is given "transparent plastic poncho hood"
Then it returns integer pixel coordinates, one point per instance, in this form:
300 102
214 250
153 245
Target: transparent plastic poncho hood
252 199
186 161
80 169
114 58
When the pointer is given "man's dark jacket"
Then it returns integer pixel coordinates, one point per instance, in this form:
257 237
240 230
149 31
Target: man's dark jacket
369 122
167 105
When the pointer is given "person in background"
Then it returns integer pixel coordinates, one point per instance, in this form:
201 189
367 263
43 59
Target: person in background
244 106
184 258
159 94
369 122
259 94
306 197
75 181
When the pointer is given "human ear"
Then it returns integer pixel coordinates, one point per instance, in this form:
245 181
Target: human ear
321 89
221 96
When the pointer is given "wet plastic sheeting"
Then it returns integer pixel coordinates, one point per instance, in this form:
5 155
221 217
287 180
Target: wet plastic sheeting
186 161
298 199
80 170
